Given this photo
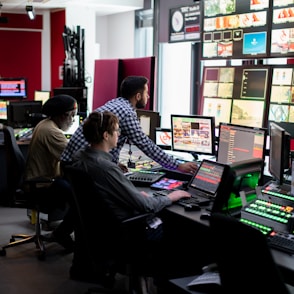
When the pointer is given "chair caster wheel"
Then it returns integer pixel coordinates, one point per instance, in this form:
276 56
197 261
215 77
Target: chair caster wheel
2 252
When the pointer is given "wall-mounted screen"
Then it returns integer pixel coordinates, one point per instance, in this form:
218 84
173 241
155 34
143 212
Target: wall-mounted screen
219 108
193 133
282 29
247 112
13 88
254 83
184 23
235 29
235 94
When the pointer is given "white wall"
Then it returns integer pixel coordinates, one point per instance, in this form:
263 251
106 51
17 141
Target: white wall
121 35
106 37
46 53
174 84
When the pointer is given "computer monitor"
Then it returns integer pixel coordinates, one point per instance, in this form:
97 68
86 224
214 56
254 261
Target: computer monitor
149 121
42 96
163 138
78 119
13 88
193 133
237 143
23 114
279 153
3 110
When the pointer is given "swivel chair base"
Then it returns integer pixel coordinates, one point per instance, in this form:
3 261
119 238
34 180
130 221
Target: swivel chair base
37 238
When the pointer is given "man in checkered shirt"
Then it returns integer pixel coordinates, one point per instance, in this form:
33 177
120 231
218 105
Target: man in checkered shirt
134 95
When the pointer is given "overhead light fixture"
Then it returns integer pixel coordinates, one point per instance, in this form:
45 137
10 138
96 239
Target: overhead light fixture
30 12
3 19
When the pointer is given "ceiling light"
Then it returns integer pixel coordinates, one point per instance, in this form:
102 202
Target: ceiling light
3 19
30 12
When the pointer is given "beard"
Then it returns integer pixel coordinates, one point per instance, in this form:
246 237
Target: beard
140 104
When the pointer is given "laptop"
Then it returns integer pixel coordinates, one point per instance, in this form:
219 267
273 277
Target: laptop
79 118
207 181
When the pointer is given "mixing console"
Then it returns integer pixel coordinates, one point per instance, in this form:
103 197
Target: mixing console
278 194
278 240
144 177
268 213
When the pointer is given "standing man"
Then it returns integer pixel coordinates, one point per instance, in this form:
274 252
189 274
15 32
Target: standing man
134 95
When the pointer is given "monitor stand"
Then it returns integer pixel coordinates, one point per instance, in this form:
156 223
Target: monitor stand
195 156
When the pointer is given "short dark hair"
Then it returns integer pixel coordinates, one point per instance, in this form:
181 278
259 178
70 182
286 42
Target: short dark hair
132 85
97 123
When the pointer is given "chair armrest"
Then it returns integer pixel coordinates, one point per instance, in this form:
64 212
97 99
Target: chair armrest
137 218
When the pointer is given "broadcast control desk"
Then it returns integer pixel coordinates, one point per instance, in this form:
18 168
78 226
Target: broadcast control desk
183 223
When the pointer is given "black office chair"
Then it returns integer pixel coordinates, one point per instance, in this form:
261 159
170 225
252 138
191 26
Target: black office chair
244 260
103 245
18 196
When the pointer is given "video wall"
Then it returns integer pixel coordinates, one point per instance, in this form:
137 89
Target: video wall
242 29
248 95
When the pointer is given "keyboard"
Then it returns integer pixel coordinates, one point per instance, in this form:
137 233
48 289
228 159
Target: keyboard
24 133
193 200
145 177
184 201
281 241
208 278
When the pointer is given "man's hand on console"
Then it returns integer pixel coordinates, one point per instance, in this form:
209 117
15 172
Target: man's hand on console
188 167
178 194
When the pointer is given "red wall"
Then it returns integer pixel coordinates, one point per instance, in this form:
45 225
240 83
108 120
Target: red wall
21 45
109 74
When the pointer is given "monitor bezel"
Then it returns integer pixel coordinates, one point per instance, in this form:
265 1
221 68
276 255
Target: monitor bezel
245 127
12 105
5 118
22 95
210 119
278 173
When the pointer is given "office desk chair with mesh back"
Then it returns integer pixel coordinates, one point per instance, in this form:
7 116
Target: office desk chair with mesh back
244 260
103 245
15 163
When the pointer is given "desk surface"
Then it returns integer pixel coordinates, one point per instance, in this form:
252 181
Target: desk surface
284 261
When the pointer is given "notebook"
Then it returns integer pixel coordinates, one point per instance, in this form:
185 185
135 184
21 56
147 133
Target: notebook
206 181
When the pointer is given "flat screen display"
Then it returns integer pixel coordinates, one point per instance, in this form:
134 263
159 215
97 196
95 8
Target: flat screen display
184 24
193 133
42 96
279 155
238 143
13 88
254 83
21 113
149 121
239 29
163 138
3 110
282 29
254 43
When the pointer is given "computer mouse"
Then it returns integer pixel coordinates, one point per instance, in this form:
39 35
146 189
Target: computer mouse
205 215
192 207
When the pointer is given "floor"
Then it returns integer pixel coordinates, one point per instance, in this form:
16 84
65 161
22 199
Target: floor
22 272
